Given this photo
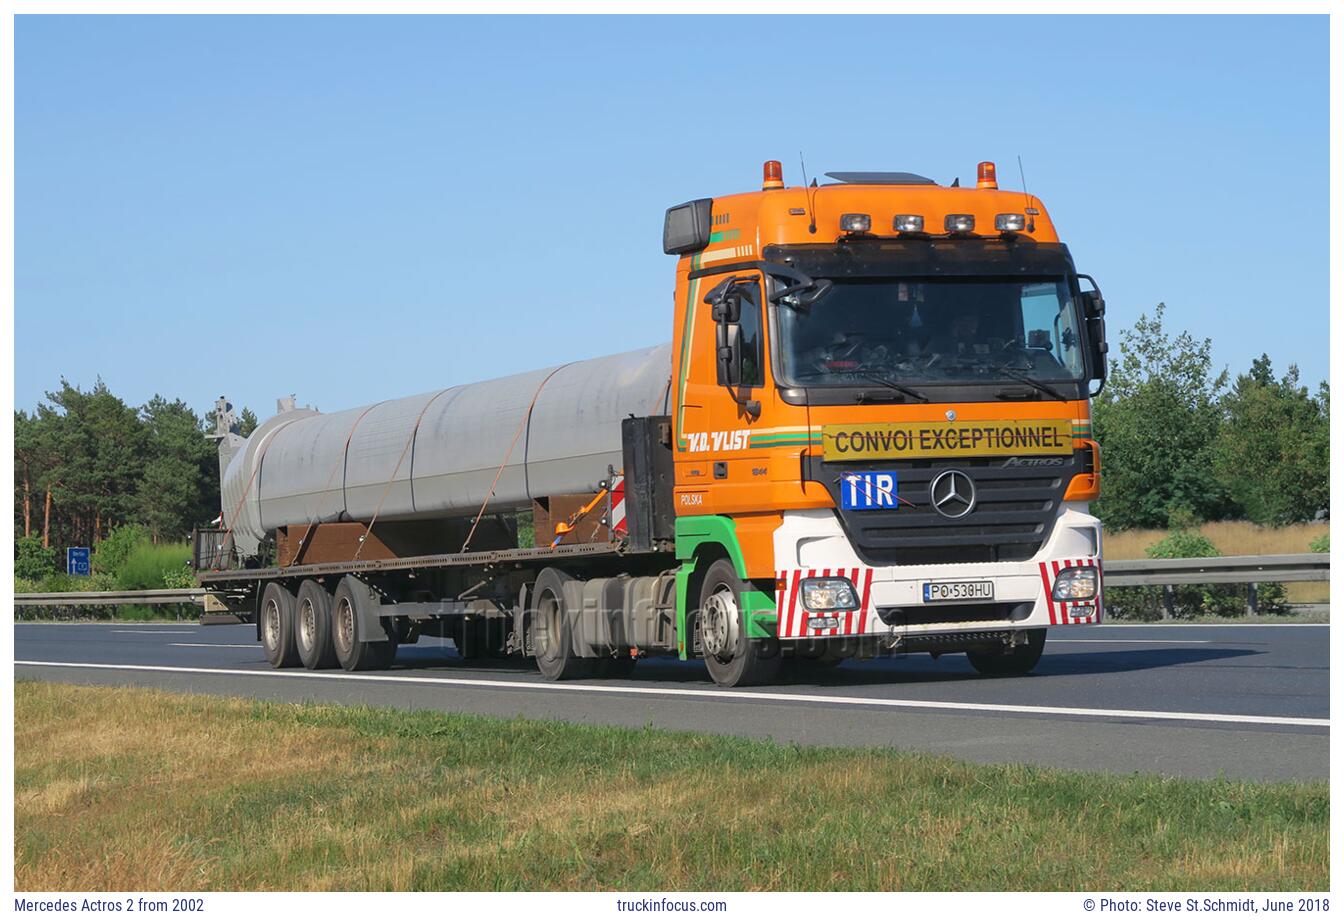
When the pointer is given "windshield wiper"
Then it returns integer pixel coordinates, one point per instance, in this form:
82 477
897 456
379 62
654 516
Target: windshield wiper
1015 373
892 384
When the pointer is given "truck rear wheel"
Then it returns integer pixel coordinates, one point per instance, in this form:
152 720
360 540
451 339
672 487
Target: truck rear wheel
353 654
1012 662
312 627
277 626
733 659
553 629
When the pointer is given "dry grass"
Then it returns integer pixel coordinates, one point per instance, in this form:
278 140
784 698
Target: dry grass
145 790
1238 538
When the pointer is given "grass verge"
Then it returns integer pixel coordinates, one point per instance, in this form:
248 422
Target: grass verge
132 789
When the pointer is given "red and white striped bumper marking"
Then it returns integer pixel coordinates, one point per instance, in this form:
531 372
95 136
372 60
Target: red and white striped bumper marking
793 617
1070 613
792 623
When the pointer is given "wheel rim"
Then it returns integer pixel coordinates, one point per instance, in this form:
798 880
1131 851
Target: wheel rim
271 624
307 624
345 625
718 623
548 626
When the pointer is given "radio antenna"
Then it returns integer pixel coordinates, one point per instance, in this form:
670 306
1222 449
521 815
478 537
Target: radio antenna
811 215
1031 217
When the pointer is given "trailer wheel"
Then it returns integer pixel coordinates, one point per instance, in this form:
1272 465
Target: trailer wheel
312 627
277 626
352 654
733 659
1010 662
553 630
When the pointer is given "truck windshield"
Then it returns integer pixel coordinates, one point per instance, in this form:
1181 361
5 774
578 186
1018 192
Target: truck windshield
933 330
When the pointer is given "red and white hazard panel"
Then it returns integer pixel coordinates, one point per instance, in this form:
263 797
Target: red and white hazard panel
618 524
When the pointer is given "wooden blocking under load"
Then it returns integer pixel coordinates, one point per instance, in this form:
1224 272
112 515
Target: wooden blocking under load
326 543
338 542
557 509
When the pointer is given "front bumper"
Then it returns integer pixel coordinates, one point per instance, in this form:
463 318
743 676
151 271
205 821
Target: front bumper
812 543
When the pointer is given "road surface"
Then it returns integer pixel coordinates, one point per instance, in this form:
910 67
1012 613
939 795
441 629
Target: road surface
1248 702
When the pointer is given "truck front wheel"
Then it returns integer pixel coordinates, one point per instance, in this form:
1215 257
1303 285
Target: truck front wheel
733 659
1010 662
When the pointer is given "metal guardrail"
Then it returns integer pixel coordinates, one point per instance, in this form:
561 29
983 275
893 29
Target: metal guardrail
111 598
1220 570
1119 573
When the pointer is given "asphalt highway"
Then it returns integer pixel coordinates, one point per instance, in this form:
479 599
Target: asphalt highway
1247 702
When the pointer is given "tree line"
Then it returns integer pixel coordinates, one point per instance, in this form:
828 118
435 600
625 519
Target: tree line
1180 442
86 462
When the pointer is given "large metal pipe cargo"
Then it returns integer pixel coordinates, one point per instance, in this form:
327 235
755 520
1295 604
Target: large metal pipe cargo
437 454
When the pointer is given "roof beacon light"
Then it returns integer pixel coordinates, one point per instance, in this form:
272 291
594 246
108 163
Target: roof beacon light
1007 222
959 223
774 175
908 223
855 223
984 176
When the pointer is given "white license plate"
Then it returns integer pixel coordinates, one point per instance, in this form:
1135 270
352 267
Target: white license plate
958 591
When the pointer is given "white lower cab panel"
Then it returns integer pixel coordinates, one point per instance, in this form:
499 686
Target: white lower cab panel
811 544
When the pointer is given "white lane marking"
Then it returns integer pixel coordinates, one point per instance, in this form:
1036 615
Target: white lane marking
1204 625
713 694
211 645
1136 641
158 632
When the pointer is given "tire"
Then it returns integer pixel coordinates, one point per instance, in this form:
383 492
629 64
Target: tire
312 627
733 659
354 655
276 625
1010 663
553 630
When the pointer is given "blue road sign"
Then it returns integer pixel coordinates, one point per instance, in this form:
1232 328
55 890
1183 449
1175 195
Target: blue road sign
77 560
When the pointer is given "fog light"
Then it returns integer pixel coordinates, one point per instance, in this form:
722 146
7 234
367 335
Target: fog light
823 623
959 223
1077 583
1010 221
908 223
824 594
855 223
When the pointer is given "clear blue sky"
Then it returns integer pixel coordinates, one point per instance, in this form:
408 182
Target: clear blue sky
354 208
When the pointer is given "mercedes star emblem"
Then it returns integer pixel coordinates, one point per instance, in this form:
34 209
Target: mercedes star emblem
952 493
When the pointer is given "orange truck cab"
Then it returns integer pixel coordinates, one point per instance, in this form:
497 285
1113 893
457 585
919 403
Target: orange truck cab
881 424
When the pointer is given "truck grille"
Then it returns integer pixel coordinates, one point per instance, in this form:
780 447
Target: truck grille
1014 508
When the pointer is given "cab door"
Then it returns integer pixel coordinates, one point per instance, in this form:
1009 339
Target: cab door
724 395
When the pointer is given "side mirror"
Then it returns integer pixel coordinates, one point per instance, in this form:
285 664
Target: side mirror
1092 302
729 354
1096 336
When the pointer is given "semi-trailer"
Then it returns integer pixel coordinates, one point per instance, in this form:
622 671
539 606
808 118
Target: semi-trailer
869 434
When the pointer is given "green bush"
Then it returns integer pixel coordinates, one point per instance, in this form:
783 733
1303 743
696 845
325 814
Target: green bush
180 577
1321 544
148 565
32 560
111 554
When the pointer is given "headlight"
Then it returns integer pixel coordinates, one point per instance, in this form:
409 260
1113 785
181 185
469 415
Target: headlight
828 594
1078 583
